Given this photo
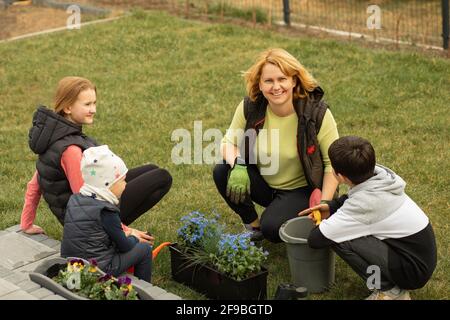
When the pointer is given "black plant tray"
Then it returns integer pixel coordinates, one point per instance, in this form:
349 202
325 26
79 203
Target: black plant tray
214 284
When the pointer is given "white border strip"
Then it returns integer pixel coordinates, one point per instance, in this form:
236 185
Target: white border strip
29 35
359 35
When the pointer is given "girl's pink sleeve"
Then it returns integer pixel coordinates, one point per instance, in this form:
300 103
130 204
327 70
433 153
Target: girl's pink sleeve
32 197
70 162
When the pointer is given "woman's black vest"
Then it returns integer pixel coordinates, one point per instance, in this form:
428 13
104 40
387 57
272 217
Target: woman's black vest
310 112
49 137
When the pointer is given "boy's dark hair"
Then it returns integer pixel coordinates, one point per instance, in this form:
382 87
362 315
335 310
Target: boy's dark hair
353 157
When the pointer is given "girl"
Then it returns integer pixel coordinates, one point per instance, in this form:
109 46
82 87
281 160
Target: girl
58 140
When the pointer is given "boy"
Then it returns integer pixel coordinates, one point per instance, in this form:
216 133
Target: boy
92 226
377 225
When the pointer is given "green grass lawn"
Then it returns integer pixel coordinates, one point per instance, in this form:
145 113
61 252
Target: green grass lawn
156 73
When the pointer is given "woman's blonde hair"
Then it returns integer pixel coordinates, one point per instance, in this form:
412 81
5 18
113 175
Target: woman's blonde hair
290 66
68 90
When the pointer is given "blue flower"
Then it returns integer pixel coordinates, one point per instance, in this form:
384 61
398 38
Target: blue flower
197 227
233 254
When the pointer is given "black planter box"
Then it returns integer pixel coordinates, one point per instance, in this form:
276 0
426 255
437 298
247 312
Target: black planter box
214 284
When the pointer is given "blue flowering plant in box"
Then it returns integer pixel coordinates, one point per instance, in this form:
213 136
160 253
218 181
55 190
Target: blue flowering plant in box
238 257
198 229
204 239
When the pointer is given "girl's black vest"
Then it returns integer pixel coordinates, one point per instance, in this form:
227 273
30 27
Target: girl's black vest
49 137
310 112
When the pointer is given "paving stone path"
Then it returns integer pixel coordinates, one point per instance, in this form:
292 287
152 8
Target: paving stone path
21 254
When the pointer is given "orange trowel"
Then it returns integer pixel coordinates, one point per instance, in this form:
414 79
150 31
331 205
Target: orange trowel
158 249
154 253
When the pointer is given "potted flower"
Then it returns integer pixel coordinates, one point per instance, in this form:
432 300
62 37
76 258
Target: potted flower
78 279
218 264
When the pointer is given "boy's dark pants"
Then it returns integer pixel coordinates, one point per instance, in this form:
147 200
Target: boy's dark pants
281 205
140 257
363 252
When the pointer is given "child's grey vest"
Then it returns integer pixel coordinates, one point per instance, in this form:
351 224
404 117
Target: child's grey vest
83 235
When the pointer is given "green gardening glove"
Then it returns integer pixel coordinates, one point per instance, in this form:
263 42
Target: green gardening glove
238 186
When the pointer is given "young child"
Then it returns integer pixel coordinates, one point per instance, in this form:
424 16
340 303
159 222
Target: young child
377 224
92 226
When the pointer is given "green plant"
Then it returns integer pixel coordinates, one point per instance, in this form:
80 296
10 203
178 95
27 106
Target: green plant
87 280
239 257
196 228
231 254
109 288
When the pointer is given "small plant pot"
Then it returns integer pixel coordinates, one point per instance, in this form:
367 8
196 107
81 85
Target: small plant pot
44 273
214 284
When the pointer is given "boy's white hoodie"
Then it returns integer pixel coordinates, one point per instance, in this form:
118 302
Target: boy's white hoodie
378 207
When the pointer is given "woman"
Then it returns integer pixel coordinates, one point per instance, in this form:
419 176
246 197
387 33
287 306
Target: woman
283 98
57 137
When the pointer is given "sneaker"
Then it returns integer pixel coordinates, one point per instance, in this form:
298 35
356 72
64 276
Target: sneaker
389 295
256 234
